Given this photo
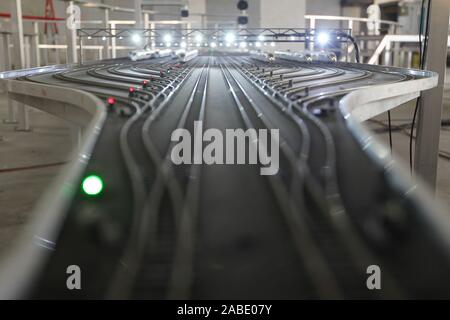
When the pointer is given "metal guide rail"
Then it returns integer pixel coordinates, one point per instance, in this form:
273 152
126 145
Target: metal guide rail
139 225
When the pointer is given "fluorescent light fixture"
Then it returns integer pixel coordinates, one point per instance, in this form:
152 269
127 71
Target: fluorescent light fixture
272 44
243 44
198 38
183 44
213 45
258 44
261 37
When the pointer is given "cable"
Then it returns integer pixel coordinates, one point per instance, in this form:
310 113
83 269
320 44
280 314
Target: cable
353 41
390 129
422 52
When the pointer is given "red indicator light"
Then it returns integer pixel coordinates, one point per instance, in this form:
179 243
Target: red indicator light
111 100
131 90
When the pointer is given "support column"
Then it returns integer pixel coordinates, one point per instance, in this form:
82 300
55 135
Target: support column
24 121
429 122
106 52
113 41
6 57
71 34
138 13
146 20
7 64
12 109
19 60
17 34
27 47
35 54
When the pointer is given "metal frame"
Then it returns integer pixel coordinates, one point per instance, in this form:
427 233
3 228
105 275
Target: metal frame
242 34
430 112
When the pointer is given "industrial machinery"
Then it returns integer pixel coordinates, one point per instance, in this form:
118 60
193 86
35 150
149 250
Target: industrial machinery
321 206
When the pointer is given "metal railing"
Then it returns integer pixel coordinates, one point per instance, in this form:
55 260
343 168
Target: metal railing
391 52
351 21
80 108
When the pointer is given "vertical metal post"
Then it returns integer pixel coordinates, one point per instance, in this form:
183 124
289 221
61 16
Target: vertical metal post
113 40
312 26
19 58
387 54
71 34
57 52
24 121
80 51
46 51
17 32
401 57
27 48
153 35
146 20
7 65
11 119
36 57
138 13
12 106
409 59
106 52
396 54
429 121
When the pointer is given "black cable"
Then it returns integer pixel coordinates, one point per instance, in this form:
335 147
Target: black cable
353 41
422 52
390 129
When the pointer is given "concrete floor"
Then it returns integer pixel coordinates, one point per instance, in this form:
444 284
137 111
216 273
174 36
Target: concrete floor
50 142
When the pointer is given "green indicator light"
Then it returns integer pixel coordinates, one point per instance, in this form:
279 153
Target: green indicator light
92 185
